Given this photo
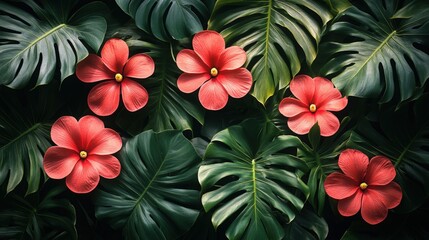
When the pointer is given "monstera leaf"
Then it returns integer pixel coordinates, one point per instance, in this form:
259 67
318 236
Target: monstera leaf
403 137
250 182
53 37
167 107
37 216
274 33
168 19
25 123
307 226
381 51
156 196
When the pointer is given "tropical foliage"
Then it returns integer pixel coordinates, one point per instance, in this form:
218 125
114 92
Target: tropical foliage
338 94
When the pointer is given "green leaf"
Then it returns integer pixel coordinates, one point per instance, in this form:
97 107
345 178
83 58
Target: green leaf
307 226
25 135
156 196
372 55
167 107
402 136
168 19
249 183
37 216
37 44
274 33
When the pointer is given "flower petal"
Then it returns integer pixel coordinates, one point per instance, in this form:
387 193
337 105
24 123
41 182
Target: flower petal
103 99
212 95
326 96
353 163
189 62
231 58
237 83
303 87
134 95
328 123
335 104
208 45
373 210
58 162
380 171
92 69
301 123
89 127
290 107
105 142
350 206
115 54
107 166
188 83
139 66
339 186
65 132
84 178
390 194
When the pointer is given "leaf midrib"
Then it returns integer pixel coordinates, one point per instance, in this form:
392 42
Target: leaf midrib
411 143
34 42
390 36
25 133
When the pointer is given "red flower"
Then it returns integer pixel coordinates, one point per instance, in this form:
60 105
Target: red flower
213 68
316 98
366 185
83 153
115 67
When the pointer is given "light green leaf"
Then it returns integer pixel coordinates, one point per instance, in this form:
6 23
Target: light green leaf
274 33
156 196
37 44
249 183
372 55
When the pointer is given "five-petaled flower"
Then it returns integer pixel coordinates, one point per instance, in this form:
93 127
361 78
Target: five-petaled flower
84 153
115 67
215 69
315 98
365 185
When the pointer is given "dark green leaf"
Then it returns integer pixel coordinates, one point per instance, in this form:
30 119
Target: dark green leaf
37 216
274 33
167 108
156 196
372 55
307 226
249 183
168 19
52 38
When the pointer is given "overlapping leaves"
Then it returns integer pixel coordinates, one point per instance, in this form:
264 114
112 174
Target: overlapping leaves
274 33
175 19
50 38
250 182
38 216
156 195
380 51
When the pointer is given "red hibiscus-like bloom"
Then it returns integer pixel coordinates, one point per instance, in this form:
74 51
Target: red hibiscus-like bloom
315 98
213 68
366 185
115 67
83 153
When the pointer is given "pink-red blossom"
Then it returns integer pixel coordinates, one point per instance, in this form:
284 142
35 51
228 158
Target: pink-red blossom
83 153
315 99
214 69
365 185
117 74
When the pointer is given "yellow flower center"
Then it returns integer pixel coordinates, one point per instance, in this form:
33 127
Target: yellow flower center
363 186
214 72
83 154
312 108
118 77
